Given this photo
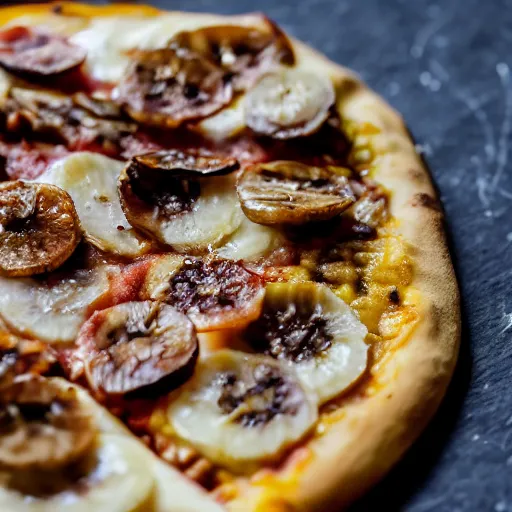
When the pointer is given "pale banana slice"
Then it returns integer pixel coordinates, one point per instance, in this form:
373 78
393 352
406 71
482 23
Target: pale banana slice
118 481
250 242
202 220
91 181
307 325
241 409
52 311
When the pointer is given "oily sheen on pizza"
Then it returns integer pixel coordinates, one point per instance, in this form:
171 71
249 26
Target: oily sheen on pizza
224 282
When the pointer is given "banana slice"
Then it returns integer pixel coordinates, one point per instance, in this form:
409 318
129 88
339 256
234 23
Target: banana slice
289 103
183 199
116 479
313 329
54 308
138 347
241 409
39 228
288 192
250 242
91 180
214 293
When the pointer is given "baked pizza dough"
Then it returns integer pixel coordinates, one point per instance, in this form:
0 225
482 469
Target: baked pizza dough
255 141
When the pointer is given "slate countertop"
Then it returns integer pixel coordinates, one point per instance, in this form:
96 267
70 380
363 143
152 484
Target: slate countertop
446 66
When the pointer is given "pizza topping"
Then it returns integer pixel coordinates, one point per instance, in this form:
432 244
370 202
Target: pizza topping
245 53
168 87
51 309
214 293
307 325
99 107
32 53
370 209
42 425
39 228
138 346
289 103
240 409
181 199
54 117
250 242
285 192
173 163
91 180
18 356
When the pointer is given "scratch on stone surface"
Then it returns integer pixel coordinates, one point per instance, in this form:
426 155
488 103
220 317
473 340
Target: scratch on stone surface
502 157
424 35
506 322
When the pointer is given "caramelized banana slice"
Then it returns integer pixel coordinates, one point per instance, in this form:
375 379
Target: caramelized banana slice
244 52
214 293
289 103
136 346
35 54
167 87
43 426
91 180
284 192
166 195
39 228
241 409
306 324
54 308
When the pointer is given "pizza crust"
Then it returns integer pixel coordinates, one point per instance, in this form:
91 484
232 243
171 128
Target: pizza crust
371 434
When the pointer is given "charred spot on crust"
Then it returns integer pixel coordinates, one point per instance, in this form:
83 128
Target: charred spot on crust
290 334
207 286
426 201
265 399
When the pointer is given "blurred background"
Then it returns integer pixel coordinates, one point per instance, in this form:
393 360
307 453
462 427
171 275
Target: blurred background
445 65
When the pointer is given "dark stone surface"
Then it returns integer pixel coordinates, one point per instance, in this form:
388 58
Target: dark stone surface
445 66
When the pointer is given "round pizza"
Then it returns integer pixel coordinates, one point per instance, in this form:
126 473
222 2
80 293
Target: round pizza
224 280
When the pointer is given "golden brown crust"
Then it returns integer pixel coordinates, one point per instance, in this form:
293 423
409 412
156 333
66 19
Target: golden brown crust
370 434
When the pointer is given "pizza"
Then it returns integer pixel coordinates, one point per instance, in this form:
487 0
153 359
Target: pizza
224 280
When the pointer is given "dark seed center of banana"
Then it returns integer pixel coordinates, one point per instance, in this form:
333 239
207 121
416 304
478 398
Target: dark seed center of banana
207 286
170 195
12 414
17 208
259 403
290 334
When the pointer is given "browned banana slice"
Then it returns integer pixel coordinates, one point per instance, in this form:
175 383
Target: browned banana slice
39 228
181 198
214 293
173 163
167 87
289 103
43 426
242 409
244 52
29 52
286 192
103 108
138 346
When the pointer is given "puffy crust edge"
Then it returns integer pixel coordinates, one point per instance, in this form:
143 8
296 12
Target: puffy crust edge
372 434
